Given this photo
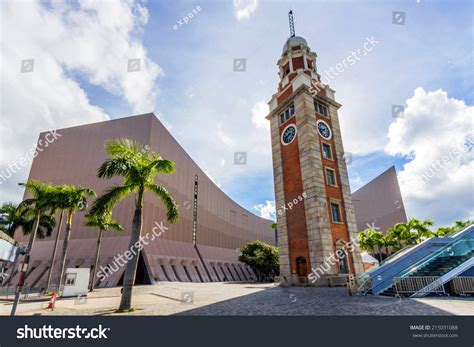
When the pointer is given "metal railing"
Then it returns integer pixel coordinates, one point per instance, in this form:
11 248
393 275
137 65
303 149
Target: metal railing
462 285
459 247
365 286
418 284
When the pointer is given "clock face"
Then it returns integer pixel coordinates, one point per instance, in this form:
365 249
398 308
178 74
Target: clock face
324 129
288 135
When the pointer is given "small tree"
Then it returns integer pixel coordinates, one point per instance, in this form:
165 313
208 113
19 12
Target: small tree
262 259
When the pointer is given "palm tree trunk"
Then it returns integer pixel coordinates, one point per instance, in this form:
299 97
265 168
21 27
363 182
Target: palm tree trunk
378 254
26 261
131 267
64 251
14 266
96 263
53 256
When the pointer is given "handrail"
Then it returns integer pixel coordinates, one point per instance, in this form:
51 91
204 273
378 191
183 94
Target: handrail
434 255
397 253
451 234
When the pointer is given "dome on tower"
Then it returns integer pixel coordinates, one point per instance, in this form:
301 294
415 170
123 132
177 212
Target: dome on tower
294 41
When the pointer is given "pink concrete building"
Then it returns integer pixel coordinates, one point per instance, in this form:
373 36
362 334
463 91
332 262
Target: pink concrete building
222 226
379 203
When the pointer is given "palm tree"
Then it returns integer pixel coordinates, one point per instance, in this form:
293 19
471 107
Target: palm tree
460 225
139 169
442 231
378 240
36 212
53 255
367 241
389 243
72 199
103 223
11 218
398 233
40 204
419 230
60 203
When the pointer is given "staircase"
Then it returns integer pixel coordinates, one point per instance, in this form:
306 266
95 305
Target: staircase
433 259
442 265
437 267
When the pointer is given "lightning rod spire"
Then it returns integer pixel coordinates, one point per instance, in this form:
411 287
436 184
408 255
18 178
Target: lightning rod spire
292 23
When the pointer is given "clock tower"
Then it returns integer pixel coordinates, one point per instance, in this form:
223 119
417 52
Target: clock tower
315 215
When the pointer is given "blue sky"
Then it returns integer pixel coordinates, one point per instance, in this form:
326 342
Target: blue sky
187 80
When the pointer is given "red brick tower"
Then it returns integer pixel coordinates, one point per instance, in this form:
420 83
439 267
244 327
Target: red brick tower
315 215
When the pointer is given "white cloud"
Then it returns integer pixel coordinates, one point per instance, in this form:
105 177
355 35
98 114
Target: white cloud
266 210
259 111
244 8
90 39
223 136
436 134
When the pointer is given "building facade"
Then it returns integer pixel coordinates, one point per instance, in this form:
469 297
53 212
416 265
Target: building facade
201 247
308 162
379 204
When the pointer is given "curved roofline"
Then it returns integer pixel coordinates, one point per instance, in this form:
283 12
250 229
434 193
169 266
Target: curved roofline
152 114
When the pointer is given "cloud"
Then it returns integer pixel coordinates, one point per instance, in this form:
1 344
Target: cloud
225 139
244 8
436 135
259 111
88 41
266 210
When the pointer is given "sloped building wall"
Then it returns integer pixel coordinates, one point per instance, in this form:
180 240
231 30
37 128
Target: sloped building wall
379 203
223 226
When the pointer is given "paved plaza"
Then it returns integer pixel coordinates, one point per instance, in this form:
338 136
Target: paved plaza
178 298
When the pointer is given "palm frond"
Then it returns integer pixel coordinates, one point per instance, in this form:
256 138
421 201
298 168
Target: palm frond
122 147
162 166
106 202
172 213
103 222
45 227
115 167
26 204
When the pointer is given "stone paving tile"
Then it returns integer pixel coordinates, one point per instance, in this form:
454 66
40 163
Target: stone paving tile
177 298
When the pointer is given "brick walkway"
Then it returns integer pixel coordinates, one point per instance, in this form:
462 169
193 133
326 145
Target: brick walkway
179 298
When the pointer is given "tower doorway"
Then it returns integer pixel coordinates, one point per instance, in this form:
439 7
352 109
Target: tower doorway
343 266
301 267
